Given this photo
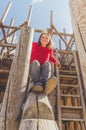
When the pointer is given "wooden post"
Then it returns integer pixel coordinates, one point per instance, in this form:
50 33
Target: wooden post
6 12
17 82
11 24
29 15
37 114
51 19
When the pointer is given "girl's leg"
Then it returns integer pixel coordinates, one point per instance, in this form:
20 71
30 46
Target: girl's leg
49 82
35 71
45 71
35 75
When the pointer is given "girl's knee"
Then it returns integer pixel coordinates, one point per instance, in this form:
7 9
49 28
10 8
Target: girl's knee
47 64
35 63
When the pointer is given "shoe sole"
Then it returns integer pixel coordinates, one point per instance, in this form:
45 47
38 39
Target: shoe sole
37 88
50 85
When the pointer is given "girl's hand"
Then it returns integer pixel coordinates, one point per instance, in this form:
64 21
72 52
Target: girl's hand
58 65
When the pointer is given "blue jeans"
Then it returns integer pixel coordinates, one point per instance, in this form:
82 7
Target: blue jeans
40 73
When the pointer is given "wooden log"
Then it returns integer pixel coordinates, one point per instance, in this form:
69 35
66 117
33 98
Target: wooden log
38 124
29 15
6 12
17 81
8 45
37 114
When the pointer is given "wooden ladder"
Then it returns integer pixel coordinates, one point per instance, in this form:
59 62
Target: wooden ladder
70 100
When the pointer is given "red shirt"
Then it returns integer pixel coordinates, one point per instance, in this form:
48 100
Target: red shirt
42 54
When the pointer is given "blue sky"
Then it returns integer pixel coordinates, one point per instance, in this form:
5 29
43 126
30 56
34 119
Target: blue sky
41 13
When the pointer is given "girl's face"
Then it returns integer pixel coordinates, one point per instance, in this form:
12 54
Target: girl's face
44 40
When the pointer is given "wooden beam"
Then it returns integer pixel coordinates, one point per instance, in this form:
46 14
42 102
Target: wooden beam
8 45
11 23
64 31
71 39
5 38
60 47
15 30
9 34
11 27
6 12
60 35
63 52
29 15
51 19
54 32
13 36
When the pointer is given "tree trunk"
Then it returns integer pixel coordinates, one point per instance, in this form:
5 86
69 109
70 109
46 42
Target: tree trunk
17 82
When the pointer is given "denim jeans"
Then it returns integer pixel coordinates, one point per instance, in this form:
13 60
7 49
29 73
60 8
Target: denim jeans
40 72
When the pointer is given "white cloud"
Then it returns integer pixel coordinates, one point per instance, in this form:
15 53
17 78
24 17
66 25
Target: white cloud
36 1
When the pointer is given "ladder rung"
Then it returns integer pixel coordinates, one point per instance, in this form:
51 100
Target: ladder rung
71 114
68 71
3 71
72 119
71 107
68 95
67 76
67 86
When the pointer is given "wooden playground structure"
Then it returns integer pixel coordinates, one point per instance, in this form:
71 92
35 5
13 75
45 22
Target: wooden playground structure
65 107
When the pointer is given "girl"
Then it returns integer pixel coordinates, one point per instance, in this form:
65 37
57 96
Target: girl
40 68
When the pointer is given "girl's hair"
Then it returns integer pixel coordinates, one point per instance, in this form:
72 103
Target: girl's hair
50 44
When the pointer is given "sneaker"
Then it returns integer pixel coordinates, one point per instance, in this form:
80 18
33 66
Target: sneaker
37 87
50 85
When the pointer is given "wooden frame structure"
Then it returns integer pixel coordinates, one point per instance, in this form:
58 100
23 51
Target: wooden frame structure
64 98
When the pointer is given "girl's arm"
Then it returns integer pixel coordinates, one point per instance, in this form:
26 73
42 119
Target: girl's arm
52 59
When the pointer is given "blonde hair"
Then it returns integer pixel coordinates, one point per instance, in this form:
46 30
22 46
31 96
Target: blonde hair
50 44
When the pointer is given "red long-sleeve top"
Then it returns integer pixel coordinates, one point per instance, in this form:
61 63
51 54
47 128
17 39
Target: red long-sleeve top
42 54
